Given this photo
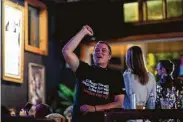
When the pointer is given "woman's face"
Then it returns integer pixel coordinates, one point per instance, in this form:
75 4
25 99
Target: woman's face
160 70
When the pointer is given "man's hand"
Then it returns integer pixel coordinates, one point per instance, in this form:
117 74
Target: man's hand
68 51
87 108
87 29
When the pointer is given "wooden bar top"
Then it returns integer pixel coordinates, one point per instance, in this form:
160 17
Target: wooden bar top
121 114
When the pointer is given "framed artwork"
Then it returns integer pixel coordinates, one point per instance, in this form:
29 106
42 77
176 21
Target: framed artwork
12 41
36 27
36 92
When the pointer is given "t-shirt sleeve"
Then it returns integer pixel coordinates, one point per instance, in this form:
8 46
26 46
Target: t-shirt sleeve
119 87
83 70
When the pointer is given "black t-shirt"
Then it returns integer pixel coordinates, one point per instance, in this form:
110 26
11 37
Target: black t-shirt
95 86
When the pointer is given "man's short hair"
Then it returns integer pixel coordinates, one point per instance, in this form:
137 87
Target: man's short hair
103 42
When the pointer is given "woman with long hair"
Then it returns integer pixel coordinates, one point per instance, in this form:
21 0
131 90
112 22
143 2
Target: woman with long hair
138 81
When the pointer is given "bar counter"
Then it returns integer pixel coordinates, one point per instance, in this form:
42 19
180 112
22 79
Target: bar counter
151 114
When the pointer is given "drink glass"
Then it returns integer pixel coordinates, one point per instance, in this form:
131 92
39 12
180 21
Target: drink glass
140 105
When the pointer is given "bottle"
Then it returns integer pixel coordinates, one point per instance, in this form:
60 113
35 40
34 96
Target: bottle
133 100
151 101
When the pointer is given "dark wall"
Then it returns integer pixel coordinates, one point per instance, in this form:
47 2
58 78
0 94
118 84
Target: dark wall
107 21
105 18
153 28
15 94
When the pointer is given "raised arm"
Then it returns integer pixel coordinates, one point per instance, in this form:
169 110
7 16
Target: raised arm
68 50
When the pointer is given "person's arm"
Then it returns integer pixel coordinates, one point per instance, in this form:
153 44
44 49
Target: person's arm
68 50
153 92
152 79
116 104
154 89
118 91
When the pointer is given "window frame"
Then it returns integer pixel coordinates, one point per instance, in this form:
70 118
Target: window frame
43 28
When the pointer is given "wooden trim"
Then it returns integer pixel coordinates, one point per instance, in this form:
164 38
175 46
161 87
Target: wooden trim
36 3
159 21
9 77
140 8
165 11
149 37
144 11
43 28
165 15
182 8
120 114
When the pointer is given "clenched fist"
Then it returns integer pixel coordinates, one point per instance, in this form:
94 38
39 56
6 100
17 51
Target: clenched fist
88 30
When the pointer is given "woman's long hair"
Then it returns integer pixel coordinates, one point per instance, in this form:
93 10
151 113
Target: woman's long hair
135 63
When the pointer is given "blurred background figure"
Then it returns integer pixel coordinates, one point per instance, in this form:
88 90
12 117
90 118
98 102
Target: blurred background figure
166 90
38 111
12 112
57 117
25 111
68 113
42 110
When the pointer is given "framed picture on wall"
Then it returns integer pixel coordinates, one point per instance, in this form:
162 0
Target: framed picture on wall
12 41
36 27
36 77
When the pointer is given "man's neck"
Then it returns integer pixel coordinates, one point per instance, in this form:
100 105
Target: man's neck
102 65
